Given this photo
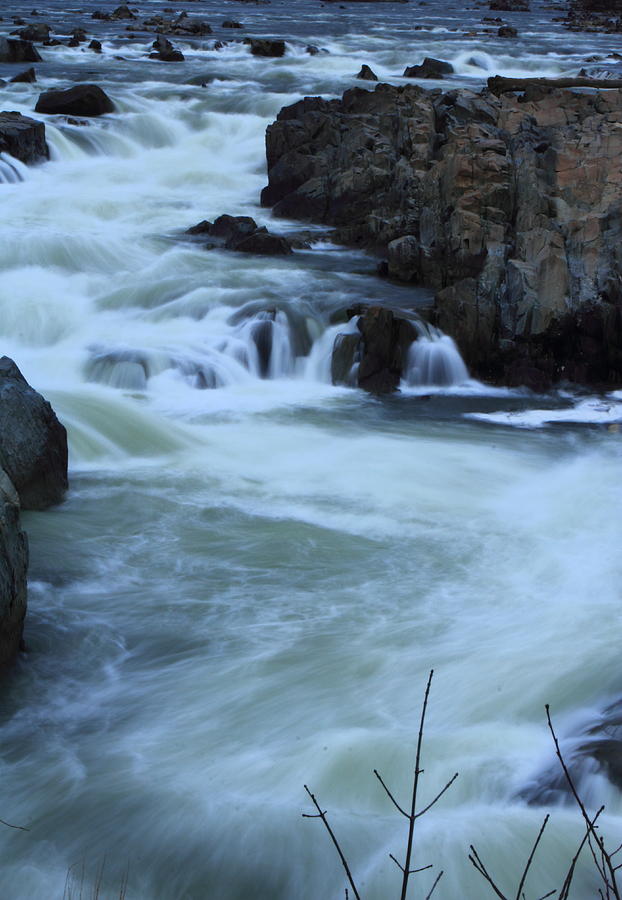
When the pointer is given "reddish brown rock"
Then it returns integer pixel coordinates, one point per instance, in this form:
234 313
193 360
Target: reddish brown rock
509 207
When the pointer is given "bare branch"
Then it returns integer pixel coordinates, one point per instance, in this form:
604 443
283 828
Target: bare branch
344 862
475 858
390 795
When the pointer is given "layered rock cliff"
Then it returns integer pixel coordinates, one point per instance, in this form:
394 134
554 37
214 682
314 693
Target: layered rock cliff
509 207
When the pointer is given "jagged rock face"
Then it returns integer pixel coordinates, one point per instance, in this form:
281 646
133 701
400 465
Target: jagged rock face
22 137
33 443
13 568
510 207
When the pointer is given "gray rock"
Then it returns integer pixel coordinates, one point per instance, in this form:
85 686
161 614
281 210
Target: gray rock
22 137
429 68
13 569
265 47
33 443
367 74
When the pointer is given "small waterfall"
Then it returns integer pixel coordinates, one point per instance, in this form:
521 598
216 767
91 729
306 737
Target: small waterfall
11 169
434 360
269 347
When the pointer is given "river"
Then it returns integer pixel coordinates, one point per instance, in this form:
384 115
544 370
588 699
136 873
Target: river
247 585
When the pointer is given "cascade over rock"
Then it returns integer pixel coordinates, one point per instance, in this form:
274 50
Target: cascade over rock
33 443
509 207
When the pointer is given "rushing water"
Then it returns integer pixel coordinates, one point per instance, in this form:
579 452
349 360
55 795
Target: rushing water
254 570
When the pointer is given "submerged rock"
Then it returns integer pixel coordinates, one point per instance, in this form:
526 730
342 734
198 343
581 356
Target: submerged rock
164 50
27 77
33 443
507 206
81 100
13 570
22 138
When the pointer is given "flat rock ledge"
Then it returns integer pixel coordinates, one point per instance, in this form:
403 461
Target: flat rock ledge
508 206
33 475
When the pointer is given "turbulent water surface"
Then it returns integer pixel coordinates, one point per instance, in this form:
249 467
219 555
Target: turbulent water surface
254 570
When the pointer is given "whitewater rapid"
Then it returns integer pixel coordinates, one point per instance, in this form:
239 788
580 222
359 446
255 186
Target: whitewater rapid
254 570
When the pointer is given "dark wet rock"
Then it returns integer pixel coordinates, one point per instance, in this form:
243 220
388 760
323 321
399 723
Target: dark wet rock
508 207
429 68
121 12
509 5
264 243
265 47
380 349
164 50
345 359
507 31
233 228
33 443
37 33
367 74
27 77
13 570
95 45
79 35
594 748
23 138
101 16
231 23
81 100
17 51
242 233
312 50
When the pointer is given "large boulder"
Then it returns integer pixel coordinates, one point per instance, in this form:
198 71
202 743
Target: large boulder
37 32
429 68
33 443
13 569
266 47
242 233
80 100
22 137
508 206
17 51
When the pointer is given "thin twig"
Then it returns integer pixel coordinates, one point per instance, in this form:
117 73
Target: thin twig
438 796
433 888
390 795
474 857
531 856
411 824
344 862
17 827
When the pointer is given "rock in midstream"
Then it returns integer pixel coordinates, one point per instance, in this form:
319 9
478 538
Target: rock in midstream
23 138
33 443
507 206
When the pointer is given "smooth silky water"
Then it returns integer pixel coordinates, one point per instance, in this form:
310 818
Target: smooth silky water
248 584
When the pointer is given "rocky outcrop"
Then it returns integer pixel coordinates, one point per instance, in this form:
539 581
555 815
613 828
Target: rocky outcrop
22 138
33 443
81 100
509 207
13 569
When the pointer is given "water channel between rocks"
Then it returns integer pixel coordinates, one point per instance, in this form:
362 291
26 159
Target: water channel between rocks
248 584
